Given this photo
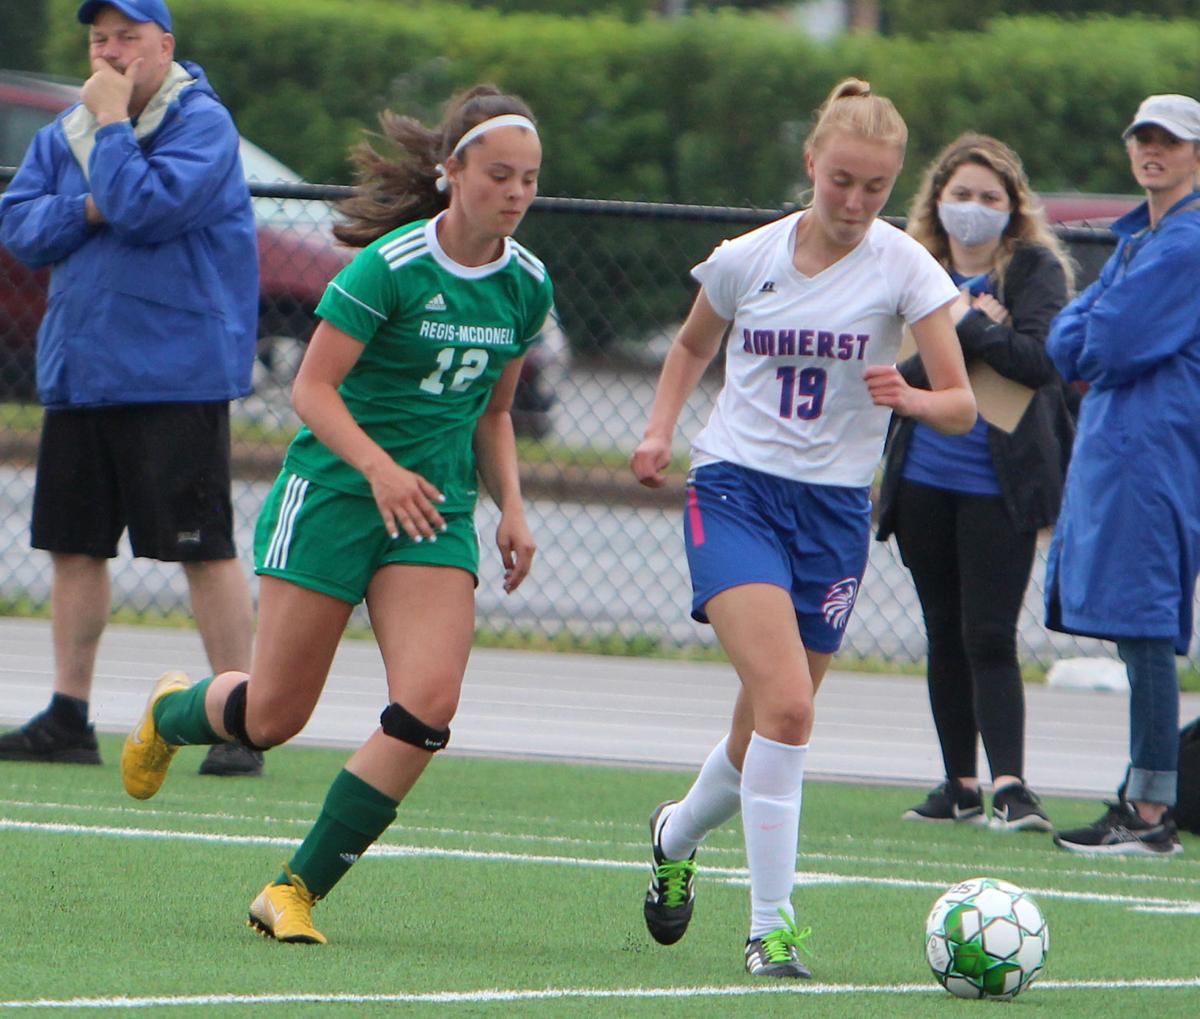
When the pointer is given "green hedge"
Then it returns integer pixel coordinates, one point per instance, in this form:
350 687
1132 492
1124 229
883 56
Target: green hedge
711 108
706 108
922 17
1059 92
22 27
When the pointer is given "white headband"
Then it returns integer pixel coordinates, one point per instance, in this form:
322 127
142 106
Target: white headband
504 120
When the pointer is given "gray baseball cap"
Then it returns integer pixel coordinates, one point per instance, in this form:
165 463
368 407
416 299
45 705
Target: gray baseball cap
1175 113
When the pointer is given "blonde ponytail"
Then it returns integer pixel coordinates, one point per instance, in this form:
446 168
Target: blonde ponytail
851 107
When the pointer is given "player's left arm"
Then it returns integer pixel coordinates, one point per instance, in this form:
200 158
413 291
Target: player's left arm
949 406
496 456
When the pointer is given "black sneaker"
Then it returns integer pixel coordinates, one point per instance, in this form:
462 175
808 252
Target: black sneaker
669 900
1122 832
949 802
45 739
1015 807
776 954
232 759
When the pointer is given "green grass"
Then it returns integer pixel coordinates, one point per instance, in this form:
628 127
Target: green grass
507 876
26 419
21 417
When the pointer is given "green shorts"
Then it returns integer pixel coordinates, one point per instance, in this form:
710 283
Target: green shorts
332 542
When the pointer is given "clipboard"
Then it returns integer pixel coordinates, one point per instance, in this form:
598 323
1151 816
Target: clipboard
1001 401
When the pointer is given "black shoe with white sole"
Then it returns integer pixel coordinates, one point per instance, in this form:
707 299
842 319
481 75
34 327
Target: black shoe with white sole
1016 807
949 802
1122 832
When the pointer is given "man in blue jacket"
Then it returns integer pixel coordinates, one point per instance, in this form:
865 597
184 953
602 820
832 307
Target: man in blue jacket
136 199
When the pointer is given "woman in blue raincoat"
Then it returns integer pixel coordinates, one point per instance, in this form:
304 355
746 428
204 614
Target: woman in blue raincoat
1126 552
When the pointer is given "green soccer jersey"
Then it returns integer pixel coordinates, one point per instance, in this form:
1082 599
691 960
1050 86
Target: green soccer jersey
436 337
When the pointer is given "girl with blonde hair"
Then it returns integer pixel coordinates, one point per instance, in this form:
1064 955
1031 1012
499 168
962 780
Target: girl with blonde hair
777 519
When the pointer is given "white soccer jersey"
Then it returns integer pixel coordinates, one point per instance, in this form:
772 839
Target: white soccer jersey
794 403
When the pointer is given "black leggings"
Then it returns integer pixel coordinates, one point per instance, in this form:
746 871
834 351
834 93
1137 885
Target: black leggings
970 568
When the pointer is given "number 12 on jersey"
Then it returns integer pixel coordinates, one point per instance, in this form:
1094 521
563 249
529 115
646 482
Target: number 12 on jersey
808 384
473 364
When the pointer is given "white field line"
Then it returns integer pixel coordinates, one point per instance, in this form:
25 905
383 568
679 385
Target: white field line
1180 871
565 993
727 875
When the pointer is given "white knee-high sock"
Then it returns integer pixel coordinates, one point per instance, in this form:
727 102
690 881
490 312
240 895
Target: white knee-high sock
713 799
772 783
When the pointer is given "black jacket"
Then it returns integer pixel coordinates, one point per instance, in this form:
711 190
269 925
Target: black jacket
1031 463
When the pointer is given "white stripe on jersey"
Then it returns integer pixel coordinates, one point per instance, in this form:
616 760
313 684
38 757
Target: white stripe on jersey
402 242
404 250
350 297
528 261
281 540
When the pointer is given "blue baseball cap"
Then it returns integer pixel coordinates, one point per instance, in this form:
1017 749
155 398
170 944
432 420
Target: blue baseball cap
134 10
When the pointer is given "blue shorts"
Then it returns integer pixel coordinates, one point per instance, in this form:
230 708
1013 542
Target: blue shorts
742 526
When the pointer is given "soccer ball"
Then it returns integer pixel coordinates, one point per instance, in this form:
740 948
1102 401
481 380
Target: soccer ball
986 938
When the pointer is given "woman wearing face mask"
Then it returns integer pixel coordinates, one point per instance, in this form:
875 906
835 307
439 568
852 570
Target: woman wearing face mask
966 509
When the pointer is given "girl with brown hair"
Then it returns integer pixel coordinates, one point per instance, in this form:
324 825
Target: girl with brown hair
404 392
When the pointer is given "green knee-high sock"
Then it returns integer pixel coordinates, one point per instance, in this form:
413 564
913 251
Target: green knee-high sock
181 719
355 814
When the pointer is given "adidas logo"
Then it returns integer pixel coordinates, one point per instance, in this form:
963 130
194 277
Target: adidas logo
349 858
768 287
436 303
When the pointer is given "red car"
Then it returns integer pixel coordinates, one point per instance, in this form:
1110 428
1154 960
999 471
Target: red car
296 253
1072 208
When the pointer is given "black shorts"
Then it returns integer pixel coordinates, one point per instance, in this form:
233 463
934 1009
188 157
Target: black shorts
161 470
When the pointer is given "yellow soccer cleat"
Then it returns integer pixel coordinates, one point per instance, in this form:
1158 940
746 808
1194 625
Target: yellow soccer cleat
146 755
284 912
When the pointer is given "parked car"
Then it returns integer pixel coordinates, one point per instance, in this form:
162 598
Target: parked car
297 257
1074 208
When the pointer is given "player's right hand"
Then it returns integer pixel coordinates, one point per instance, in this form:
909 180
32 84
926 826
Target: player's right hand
406 502
108 91
650 461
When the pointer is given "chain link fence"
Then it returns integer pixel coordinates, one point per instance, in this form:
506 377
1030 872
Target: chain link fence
611 567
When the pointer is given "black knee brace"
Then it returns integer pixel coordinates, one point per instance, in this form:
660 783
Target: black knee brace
235 716
406 727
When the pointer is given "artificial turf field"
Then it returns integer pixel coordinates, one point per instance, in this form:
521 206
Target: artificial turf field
512 888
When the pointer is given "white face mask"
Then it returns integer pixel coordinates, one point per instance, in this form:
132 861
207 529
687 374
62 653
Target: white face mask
970 223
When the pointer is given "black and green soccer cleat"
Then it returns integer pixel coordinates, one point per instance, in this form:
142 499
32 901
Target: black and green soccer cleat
669 900
777 954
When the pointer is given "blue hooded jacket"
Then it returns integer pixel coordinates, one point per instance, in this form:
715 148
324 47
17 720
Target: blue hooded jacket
1126 551
160 303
